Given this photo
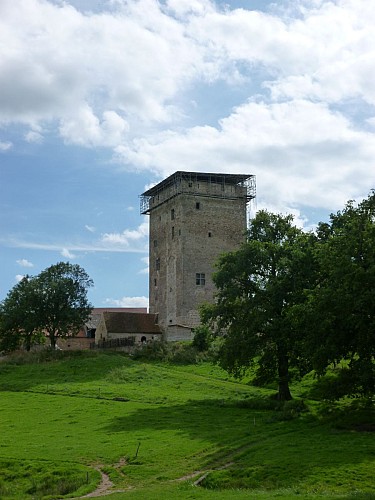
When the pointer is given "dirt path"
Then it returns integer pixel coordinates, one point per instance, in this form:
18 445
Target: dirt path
105 486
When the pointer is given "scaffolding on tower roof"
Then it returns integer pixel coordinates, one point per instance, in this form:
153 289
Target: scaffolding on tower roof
189 183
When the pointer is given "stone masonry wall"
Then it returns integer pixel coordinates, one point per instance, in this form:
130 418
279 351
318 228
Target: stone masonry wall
187 234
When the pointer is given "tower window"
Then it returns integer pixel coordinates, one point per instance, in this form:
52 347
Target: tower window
155 243
155 282
197 205
157 264
200 279
172 214
172 231
209 234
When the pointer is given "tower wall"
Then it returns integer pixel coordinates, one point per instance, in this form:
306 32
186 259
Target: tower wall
192 221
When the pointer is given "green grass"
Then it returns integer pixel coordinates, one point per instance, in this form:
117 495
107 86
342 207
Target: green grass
43 479
150 424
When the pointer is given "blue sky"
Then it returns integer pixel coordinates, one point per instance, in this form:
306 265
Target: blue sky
101 99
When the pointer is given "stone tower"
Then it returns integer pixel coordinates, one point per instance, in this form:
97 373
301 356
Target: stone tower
194 217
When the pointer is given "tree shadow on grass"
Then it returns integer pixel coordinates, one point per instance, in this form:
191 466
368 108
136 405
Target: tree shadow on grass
221 425
262 447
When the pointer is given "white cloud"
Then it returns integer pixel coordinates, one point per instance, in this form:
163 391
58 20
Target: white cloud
146 261
324 52
302 152
85 129
34 137
96 246
127 66
127 237
128 302
67 254
25 263
92 73
5 146
129 240
125 77
19 277
182 8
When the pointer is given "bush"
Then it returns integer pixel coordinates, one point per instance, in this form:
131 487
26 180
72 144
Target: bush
183 354
153 351
202 338
170 352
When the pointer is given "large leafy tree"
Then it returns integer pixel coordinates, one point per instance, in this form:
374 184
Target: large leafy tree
256 287
55 302
19 316
339 317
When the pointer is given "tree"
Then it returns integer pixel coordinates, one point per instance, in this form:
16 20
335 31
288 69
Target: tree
256 287
19 317
201 339
64 308
339 316
54 302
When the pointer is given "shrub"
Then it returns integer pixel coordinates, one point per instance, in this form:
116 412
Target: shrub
170 352
202 338
153 351
183 354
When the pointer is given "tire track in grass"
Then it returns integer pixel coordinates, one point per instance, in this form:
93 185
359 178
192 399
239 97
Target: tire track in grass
202 474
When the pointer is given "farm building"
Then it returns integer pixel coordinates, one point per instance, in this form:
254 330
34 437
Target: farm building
126 328
86 336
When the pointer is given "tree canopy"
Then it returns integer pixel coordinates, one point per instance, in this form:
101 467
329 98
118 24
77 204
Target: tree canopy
18 316
339 317
290 298
53 302
256 287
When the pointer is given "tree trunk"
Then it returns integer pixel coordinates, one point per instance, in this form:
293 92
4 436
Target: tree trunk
28 343
283 372
52 340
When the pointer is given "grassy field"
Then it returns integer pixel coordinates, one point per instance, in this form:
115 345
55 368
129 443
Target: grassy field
156 428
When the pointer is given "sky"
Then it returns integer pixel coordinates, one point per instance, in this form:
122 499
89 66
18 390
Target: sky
101 99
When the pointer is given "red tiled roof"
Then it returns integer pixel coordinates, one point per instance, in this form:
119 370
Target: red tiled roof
128 322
